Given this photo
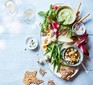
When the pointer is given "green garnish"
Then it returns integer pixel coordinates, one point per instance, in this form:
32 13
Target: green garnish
55 54
49 17
41 13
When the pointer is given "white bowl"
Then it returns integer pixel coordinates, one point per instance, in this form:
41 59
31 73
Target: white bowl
81 25
70 8
29 45
81 56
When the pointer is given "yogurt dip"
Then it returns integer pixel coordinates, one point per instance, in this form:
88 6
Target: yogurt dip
31 43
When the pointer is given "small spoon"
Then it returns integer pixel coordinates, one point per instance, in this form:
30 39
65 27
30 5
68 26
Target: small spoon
86 70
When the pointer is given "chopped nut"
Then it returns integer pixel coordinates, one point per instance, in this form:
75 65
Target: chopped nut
40 61
46 59
42 72
51 82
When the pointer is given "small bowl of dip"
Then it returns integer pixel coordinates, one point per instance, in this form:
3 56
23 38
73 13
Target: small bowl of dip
72 56
31 43
66 15
79 28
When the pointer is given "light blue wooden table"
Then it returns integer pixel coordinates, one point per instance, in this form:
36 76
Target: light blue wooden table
14 60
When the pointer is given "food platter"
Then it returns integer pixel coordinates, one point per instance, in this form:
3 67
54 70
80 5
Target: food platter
57 36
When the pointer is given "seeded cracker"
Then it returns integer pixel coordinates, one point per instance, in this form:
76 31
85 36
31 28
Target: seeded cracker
42 72
30 78
50 82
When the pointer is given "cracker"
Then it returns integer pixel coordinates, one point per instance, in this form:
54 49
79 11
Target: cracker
50 82
42 72
30 78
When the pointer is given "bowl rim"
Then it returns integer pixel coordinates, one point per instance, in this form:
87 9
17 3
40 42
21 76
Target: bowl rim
69 7
35 42
81 56
80 24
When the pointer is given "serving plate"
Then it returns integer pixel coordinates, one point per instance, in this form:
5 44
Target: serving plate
65 40
48 63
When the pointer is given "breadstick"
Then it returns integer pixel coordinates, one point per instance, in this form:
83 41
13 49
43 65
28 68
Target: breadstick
77 11
84 17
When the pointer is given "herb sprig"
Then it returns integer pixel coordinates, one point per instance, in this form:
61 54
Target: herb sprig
49 16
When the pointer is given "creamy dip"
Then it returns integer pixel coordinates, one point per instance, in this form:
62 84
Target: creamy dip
31 43
66 16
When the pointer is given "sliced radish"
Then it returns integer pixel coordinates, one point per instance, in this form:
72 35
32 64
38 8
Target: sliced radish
55 7
56 24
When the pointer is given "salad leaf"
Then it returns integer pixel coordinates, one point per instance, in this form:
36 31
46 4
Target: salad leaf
84 49
44 26
41 13
71 33
53 14
51 6
42 30
49 17
60 45
67 27
63 27
61 22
